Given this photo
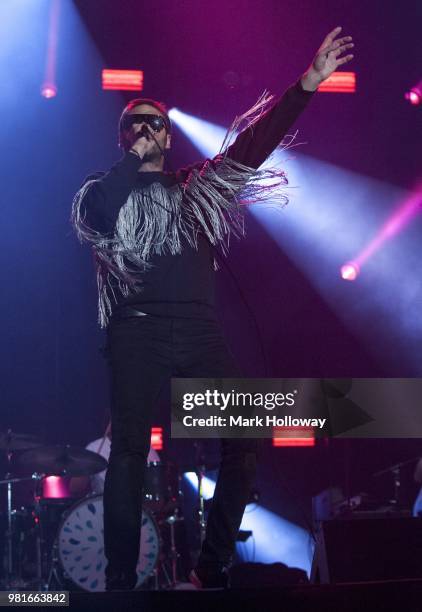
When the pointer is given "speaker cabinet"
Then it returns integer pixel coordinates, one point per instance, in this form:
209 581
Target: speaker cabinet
366 549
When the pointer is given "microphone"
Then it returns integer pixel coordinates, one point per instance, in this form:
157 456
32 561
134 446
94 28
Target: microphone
144 132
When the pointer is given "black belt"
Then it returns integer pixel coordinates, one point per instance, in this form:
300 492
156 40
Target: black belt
127 312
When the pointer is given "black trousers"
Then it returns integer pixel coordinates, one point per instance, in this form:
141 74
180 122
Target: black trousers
144 353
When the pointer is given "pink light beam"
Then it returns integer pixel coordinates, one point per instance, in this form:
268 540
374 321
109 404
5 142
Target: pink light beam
405 213
49 87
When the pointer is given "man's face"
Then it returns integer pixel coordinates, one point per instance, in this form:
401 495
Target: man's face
132 134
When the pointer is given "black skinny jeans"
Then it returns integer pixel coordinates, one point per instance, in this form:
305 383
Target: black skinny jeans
144 353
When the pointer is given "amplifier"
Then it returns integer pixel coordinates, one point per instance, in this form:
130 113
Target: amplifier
381 548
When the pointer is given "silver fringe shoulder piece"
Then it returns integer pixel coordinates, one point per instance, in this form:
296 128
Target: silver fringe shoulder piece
154 220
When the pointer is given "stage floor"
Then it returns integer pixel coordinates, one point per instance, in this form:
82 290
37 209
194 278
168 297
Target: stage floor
398 596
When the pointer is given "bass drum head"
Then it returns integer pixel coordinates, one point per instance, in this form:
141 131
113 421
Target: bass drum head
80 544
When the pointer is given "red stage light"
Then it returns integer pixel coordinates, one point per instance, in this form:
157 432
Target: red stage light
349 271
124 80
342 82
293 436
48 90
157 438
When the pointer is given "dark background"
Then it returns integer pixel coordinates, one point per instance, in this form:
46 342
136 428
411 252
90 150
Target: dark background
211 60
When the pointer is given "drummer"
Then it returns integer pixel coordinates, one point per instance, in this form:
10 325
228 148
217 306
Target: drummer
83 485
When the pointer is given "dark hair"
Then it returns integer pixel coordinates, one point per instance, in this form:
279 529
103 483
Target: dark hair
160 106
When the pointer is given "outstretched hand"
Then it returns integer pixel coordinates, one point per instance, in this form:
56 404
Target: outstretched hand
329 57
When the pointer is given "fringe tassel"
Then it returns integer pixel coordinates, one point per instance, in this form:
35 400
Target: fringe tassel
248 119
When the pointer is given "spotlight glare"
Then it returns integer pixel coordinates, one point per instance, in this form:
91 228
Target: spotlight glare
157 438
414 97
48 90
208 485
350 271
275 539
207 137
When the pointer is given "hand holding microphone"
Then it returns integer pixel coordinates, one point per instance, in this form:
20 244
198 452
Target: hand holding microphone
141 142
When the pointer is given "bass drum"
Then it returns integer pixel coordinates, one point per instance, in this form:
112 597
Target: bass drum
80 544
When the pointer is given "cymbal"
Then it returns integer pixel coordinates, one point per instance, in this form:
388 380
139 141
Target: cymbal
62 460
9 440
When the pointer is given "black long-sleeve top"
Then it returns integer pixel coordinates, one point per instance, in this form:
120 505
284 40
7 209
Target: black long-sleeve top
182 285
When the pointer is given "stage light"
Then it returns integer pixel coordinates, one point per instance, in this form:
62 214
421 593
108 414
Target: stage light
414 96
339 82
122 80
208 485
157 438
273 538
406 211
332 213
349 271
48 90
206 136
293 436
49 87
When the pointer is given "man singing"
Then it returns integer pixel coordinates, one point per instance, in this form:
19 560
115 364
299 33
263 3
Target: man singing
157 237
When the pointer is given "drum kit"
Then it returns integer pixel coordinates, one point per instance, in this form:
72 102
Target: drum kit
56 542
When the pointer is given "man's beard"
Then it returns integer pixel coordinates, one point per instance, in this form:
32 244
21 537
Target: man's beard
152 156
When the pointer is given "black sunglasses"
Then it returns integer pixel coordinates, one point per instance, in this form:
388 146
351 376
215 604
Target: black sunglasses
155 122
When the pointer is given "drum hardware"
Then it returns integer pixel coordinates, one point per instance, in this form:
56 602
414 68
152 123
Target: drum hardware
49 514
173 554
10 442
162 484
11 514
63 460
396 472
41 526
201 511
78 555
200 469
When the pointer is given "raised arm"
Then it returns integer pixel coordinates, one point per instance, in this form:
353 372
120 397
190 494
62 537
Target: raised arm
254 144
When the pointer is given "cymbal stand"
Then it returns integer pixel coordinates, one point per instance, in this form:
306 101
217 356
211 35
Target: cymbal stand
173 554
39 533
9 533
200 473
396 473
201 512
9 481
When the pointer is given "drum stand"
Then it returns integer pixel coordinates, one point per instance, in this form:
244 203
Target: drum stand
53 578
49 557
201 500
9 532
173 554
168 564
